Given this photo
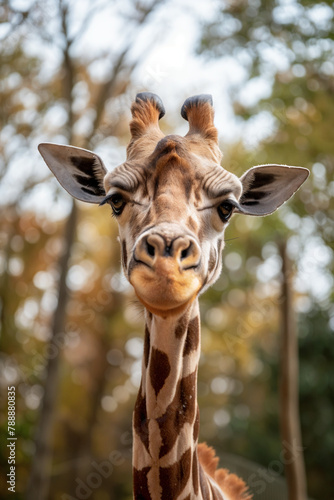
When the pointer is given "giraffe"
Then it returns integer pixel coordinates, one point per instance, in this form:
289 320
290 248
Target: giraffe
172 201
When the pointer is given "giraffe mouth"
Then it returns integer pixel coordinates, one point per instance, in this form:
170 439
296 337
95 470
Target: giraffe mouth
189 268
164 287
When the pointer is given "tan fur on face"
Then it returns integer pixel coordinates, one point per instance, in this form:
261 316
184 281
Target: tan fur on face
165 288
144 128
202 133
172 201
171 181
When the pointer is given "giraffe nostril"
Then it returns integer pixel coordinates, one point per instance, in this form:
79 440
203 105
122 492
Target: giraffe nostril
188 253
185 252
150 249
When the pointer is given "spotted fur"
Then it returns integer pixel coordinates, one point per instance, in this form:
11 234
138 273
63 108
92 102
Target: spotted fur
168 461
172 201
173 191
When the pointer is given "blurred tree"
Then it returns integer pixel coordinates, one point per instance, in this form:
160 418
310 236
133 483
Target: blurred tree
289 388
35 88
239 367
286 54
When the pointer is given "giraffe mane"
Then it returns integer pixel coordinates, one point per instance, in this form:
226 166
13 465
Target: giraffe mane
230 484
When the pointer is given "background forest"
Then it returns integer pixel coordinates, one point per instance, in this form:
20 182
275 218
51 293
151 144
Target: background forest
71 330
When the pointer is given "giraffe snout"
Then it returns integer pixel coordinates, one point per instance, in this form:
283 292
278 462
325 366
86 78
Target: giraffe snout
183 250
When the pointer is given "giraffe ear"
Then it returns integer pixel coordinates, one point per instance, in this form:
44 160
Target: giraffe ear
79 171
267 187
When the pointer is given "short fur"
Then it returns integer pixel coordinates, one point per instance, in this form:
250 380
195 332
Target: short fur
172 201
229 483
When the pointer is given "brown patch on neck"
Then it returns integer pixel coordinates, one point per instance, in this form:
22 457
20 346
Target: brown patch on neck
192 339
159 369
180 411
196 426
140 420
140 484
147 343
195 473
181 327
174 478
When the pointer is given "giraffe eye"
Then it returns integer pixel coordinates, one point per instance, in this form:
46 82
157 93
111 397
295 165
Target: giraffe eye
225 211
117 203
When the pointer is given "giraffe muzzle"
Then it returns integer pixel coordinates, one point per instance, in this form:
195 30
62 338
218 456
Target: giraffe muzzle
166 274
154 249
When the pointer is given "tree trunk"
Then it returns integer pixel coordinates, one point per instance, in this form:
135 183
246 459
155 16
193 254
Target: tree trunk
41 467
292 452
40 474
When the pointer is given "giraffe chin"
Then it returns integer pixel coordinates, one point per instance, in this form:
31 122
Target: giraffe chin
164 313
165 294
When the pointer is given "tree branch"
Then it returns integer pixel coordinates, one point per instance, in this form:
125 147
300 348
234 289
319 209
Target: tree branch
289 393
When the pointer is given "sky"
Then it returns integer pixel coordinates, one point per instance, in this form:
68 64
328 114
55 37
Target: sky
168 67
171 68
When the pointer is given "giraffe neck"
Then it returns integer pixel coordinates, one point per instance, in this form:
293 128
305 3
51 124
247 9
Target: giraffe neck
166 417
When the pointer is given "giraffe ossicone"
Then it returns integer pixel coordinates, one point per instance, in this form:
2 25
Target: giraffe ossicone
172 201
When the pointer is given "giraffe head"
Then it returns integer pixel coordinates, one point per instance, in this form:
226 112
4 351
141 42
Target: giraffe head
172 199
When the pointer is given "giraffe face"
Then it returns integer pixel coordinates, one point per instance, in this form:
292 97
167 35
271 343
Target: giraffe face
172 209
172 199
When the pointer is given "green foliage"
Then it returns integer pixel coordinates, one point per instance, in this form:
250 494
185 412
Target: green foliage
101 348
291 45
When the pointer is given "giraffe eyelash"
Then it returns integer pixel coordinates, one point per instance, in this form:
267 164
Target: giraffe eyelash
105 200
116 201
225 210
